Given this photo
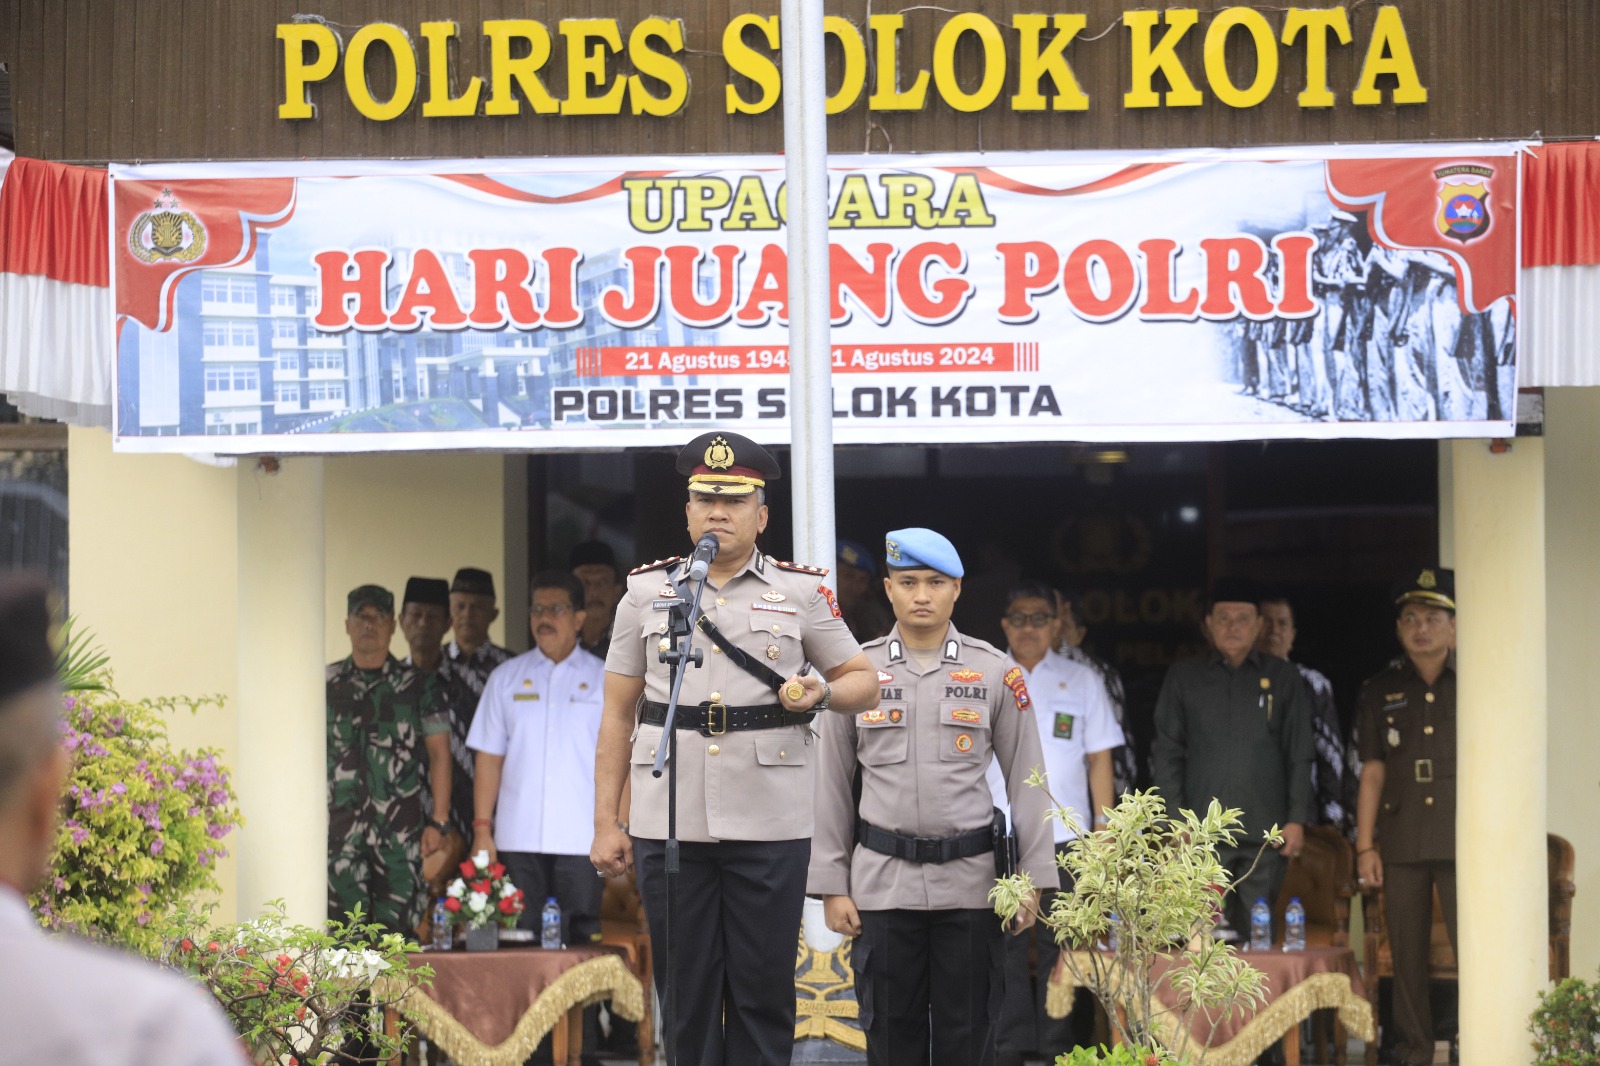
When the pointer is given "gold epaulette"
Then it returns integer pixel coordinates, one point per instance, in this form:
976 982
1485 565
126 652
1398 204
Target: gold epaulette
657 565
799 568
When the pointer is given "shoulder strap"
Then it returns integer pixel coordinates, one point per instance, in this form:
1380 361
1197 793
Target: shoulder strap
735 654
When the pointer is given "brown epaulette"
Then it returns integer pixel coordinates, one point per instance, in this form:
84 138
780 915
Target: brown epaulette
799 568
657 565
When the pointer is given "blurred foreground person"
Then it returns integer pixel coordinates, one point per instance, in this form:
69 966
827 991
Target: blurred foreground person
62 1002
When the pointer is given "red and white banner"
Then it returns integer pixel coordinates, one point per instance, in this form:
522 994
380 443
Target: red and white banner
609 303
55 302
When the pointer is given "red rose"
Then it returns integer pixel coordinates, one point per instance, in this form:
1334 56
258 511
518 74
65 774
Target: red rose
517 895
482 886
497 870
468 870
452 904
508 906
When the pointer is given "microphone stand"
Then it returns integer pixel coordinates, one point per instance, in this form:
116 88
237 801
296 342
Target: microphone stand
684 622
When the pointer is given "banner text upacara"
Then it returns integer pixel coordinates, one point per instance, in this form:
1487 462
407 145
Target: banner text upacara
601 66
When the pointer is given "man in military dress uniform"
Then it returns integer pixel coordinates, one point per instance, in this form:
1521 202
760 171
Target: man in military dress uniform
744 755
908 870
1234 724
377 730
1406 812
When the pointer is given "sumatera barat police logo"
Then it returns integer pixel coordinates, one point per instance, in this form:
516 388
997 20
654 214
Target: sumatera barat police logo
1463 201
166 234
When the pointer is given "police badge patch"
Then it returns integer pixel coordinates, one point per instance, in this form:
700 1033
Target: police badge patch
1019 688
1463 202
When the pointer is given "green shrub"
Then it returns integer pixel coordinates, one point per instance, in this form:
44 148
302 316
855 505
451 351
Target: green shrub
142 824
1566 1024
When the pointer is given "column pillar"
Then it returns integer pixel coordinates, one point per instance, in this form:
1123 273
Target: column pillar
1499 533
281 768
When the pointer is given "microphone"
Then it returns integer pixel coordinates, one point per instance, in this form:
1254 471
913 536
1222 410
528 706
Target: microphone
705 550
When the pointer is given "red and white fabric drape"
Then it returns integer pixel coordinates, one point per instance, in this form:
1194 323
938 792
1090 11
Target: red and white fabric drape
1560 309
57 344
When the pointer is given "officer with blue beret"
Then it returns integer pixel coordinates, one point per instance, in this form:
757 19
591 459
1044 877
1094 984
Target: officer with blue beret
908 872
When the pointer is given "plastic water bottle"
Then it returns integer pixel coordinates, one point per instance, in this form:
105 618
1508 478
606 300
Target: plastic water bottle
1260 925
443 931
550 925
1294 926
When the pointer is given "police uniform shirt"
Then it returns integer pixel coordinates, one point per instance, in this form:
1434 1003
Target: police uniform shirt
751 784
924 752
68 1003
1239 735
1411 726
1075 721
543 717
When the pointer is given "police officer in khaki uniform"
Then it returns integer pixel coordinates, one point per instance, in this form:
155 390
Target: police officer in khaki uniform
1406 812
909 873
745 757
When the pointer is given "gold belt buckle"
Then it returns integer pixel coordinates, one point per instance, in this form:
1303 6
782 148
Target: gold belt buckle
1424 771
715 726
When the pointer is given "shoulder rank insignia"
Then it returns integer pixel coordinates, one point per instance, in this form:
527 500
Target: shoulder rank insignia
657 565
1019 688
800 568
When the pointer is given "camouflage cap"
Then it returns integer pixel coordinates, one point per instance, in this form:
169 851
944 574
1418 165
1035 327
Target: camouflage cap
376 595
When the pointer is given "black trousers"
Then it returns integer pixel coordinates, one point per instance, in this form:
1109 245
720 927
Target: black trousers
1408 917
1263 883
737 931
571 880
929 981
1025 1025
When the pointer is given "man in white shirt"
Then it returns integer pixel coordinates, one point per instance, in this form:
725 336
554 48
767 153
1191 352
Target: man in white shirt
1078 730
62 1001
534 735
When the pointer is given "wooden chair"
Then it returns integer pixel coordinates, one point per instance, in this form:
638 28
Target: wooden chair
1379 963
1322 876
622 925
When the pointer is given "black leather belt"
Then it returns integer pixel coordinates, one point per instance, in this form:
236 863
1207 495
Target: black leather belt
925 849
715 719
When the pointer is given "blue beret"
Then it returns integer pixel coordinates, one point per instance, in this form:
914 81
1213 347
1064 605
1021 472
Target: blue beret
922 549
852 554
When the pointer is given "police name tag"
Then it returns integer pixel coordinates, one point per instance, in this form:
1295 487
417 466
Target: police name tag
664 605
1063 730
525 696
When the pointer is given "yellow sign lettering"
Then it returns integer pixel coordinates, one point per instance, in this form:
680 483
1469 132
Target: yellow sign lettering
657 65
944 61
440 104
1317 25
1389 52
853 76
589 41
1035 63
1162 57
398 44
1265 43
521 71
742 59
886 94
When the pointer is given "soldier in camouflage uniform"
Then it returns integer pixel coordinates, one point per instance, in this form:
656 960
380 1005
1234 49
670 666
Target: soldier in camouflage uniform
380 736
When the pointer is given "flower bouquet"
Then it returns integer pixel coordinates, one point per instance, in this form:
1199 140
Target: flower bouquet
483 895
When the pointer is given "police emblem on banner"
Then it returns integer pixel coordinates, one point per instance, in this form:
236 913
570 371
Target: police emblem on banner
1463 202
164 233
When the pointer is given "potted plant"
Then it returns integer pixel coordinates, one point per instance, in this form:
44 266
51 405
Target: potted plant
1147 889
299 996
484 898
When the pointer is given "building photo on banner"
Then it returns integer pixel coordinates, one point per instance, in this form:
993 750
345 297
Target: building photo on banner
608 303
